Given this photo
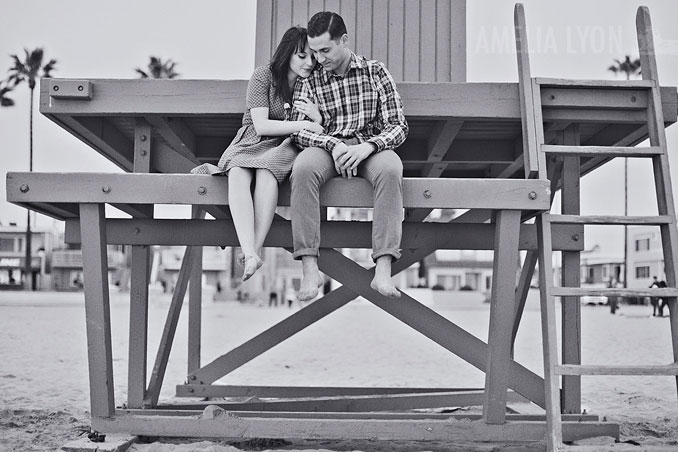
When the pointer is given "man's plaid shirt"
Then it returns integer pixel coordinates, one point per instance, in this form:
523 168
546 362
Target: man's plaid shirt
363 104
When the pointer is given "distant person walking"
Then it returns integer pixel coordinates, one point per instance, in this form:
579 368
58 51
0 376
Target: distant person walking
654 300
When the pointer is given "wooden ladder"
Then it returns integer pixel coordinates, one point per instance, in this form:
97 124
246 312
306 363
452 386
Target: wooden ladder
536 153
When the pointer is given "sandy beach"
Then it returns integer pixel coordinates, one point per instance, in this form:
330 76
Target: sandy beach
44 384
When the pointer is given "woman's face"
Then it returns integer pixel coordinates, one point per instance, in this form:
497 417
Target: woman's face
302 62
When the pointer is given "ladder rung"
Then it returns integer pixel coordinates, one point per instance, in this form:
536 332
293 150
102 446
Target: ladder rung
655 220
613 292
603 151
578 369
623 84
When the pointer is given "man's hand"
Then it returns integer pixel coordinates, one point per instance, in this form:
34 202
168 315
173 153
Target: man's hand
349 160
337 153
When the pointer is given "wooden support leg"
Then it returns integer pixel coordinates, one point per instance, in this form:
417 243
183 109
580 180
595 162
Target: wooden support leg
571 308
522 291
554 431
502 312
97 309
158 373
138 326
195 305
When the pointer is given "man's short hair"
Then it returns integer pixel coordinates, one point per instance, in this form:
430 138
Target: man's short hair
326 21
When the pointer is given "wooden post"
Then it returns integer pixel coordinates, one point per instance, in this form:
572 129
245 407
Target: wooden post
502 313
571 277
138 311
195 304
97 309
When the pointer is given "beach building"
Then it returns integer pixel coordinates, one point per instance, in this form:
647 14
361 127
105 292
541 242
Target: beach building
13 256
645 256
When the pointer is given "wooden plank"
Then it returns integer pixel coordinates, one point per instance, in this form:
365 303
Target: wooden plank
446 43
451 430
97 310
412 44
209 190
582 291
178 410
571 277
165 346
335 234
428 52
357 403
502 311
603 151
138 326
396 39
428 322
363 34
594 99
380 34
526 99
583 369
214 390
576 83
655 220
264 37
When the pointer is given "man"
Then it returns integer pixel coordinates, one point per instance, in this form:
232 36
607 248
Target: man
364 122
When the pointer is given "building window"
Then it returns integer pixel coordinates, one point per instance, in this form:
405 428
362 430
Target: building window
643 244
7 245
643 272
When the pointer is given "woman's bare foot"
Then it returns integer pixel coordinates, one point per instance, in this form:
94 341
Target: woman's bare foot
382 281
311 281
252 264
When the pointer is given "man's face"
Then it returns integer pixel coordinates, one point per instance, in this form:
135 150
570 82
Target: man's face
328 52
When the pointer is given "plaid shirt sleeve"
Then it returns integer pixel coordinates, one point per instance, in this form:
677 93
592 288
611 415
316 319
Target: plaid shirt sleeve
394 125
305 138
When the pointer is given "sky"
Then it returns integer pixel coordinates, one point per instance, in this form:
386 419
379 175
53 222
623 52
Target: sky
214 39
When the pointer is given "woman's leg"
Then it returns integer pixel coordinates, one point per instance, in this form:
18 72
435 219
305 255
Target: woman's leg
242 210
265 201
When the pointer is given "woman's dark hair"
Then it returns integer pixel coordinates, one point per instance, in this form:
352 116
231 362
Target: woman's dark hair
293 41
326 21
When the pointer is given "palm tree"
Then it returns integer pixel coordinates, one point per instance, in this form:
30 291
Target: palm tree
4 90
158 69
28 71
629 68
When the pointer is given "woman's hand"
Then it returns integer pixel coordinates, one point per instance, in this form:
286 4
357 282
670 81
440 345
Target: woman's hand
309 109
313 126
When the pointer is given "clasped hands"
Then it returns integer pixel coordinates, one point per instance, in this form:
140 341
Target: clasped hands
347 158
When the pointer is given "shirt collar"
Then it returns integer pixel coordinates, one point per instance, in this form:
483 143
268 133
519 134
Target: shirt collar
357 62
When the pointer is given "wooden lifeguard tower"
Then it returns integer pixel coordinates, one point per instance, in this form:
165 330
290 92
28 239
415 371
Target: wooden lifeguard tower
499 149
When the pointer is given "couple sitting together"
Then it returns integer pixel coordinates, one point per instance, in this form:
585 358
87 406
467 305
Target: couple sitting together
316 111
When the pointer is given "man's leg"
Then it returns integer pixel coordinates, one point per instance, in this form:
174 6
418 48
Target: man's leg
385 171
312 168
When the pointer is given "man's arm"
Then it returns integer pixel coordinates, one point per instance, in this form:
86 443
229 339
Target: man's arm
306 138
390 112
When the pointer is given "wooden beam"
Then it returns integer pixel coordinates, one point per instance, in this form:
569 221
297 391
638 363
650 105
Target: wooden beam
177 134
451 430
215 390
208 190
428 322
335 234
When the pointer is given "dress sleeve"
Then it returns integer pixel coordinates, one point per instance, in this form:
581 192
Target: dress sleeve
258 88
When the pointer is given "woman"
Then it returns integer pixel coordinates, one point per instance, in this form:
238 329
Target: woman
261 151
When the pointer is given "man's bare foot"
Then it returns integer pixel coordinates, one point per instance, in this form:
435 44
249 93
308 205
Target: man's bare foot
311 281
382 281
385 287
252 264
